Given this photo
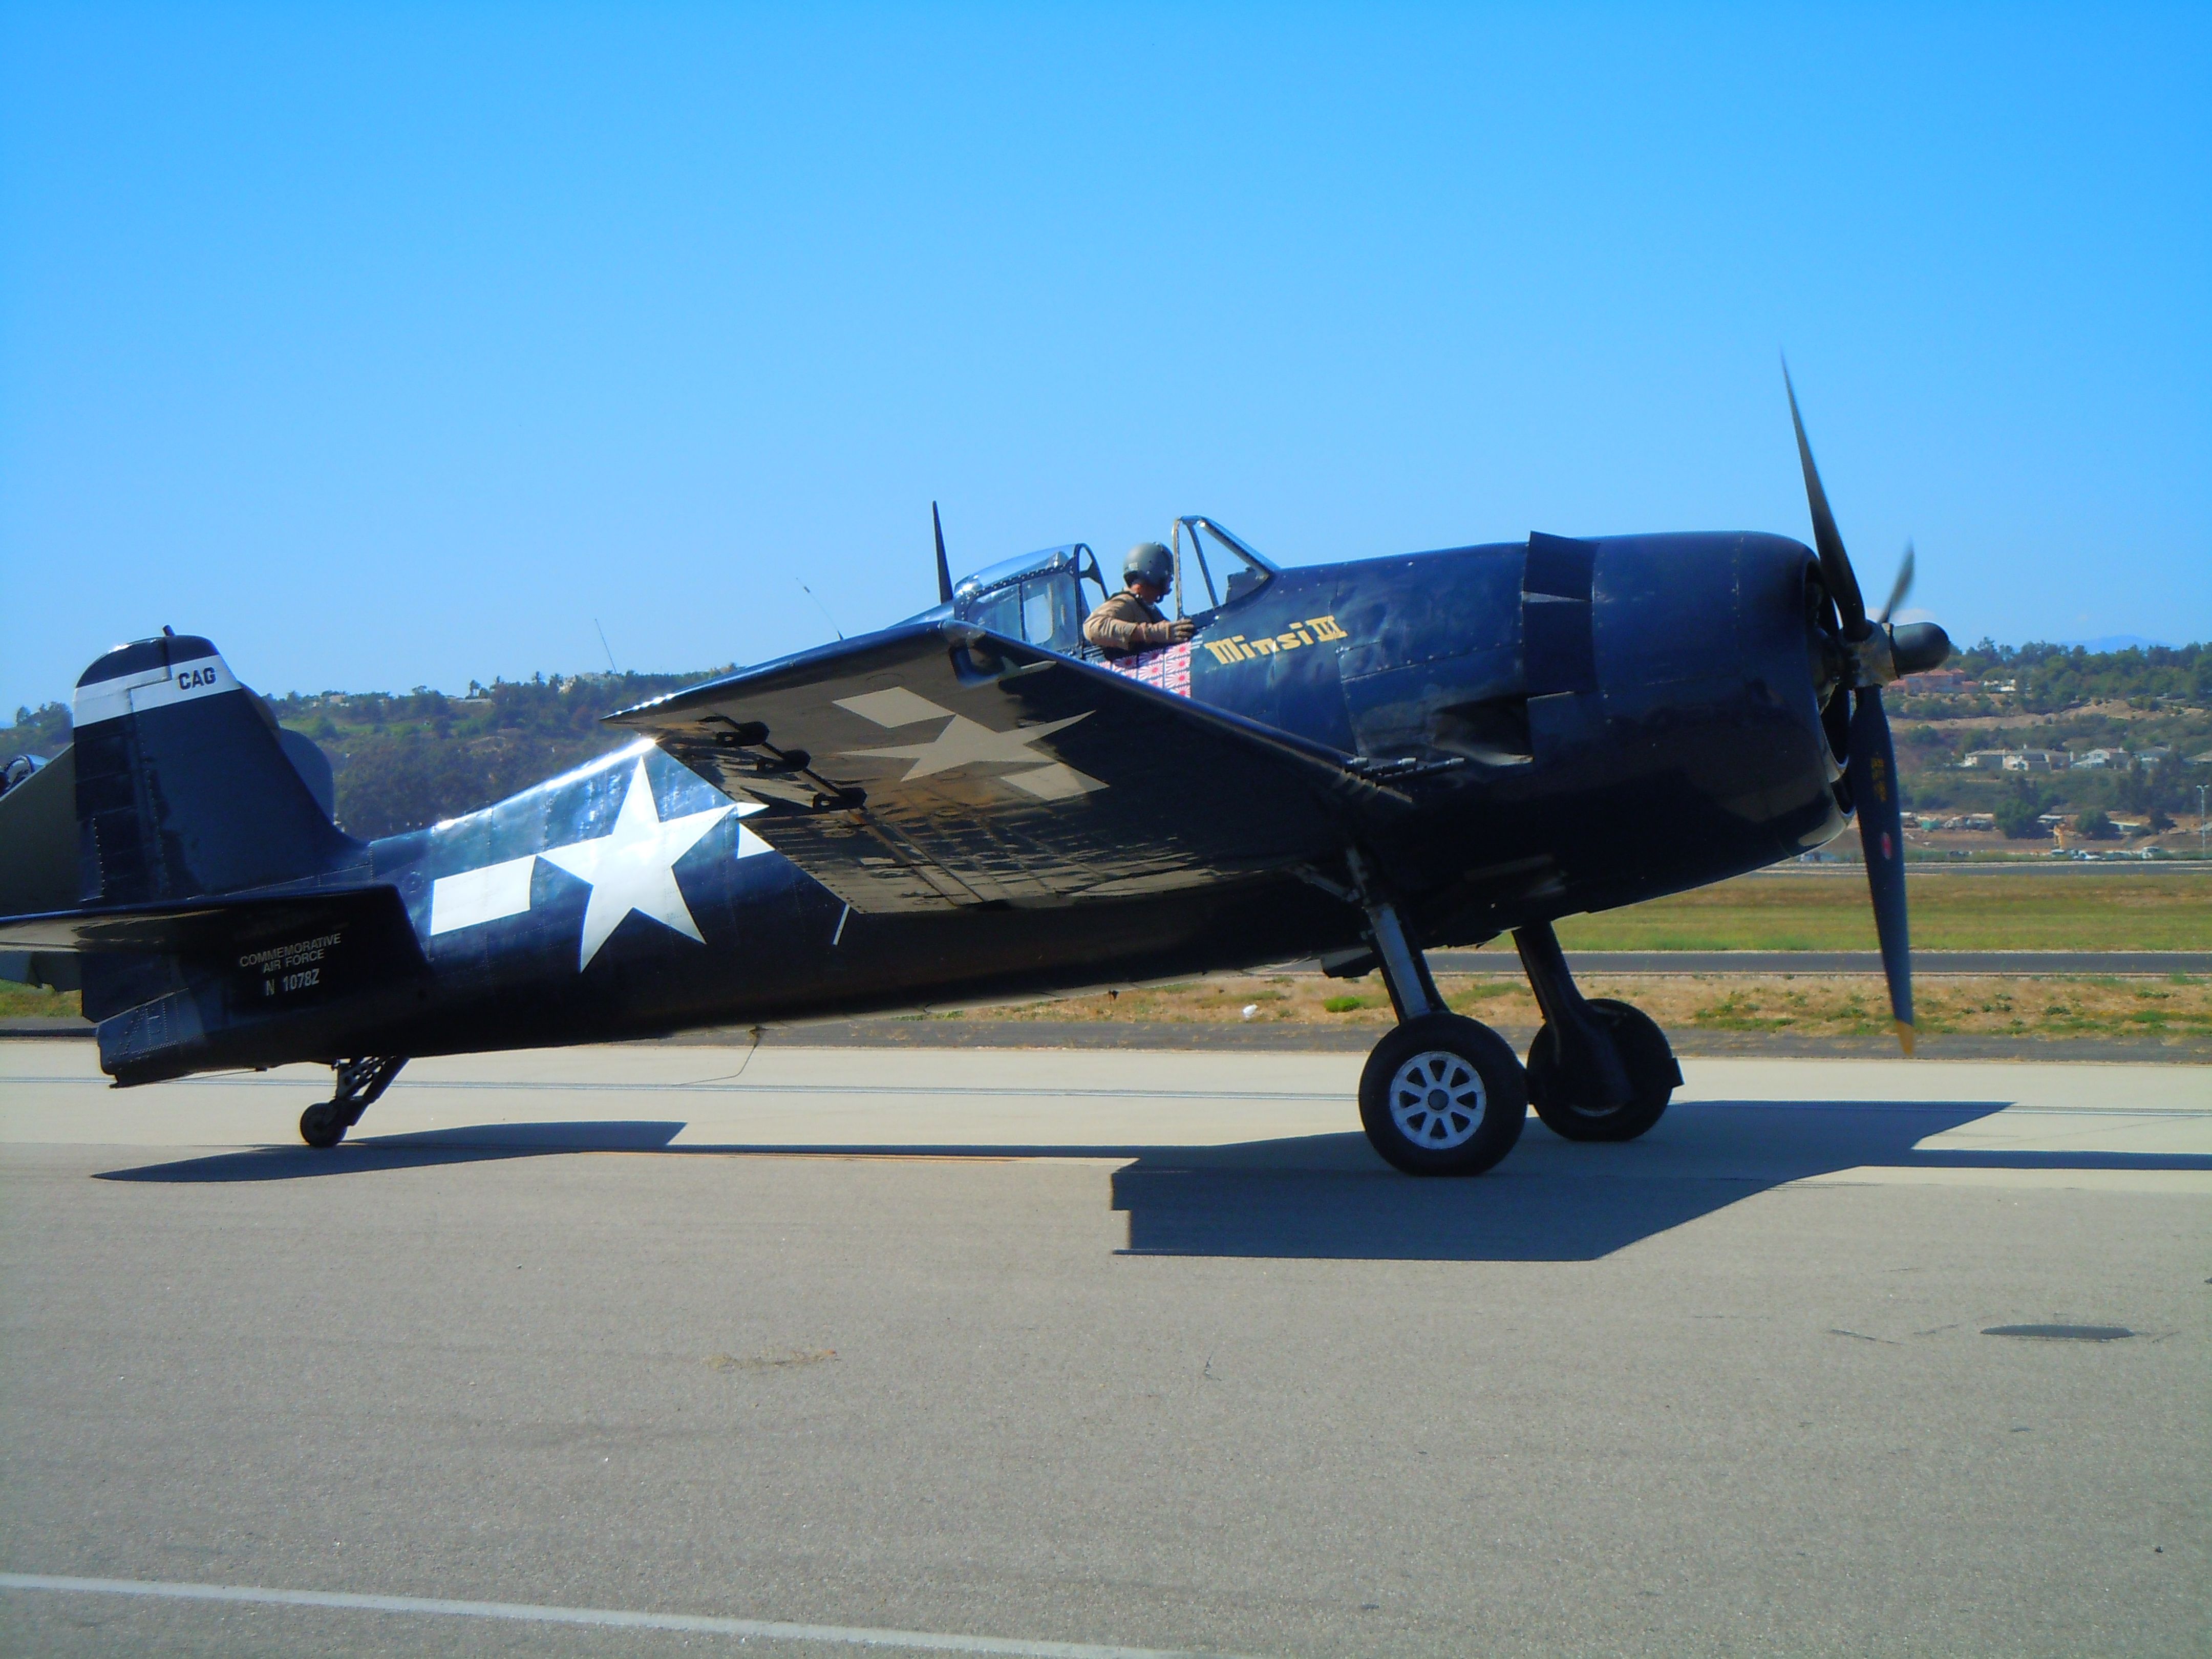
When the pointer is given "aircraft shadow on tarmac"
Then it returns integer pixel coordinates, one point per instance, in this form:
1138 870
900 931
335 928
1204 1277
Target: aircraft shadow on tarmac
366 1154
1328 1196
1552 1200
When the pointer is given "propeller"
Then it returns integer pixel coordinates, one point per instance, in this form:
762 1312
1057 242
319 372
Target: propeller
944 570
1875 653
1827 542
1872 768
1897 589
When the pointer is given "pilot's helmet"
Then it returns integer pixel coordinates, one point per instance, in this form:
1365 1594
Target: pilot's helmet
1151 562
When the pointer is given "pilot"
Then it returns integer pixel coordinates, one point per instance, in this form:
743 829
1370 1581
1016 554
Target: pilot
1131 620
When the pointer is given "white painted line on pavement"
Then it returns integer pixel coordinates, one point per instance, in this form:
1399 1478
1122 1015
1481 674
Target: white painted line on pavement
603 1618
715 1086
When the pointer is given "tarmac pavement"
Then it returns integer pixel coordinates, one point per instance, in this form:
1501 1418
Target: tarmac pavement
629 1349
1500 958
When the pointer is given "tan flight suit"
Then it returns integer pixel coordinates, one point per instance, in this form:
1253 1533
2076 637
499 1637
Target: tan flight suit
1126 624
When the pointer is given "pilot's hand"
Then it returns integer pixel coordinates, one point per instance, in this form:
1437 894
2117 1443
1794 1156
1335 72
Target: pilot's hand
1180 630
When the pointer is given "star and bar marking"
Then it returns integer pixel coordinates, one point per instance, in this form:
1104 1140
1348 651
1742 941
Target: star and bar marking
963 742
630 869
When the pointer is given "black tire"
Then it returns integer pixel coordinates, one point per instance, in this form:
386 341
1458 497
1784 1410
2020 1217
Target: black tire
1652 1077
323 1124
1468 1115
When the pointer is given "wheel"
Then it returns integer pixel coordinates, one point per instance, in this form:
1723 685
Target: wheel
1443 1096
1652 1077
323 1124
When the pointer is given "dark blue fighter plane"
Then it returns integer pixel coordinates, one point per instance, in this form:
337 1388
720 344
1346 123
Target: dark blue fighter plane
1351 761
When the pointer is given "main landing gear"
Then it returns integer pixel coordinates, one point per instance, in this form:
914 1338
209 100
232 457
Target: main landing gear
1598 1071
359 1083
1443 1095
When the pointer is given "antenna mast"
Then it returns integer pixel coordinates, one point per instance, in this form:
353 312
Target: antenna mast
944 570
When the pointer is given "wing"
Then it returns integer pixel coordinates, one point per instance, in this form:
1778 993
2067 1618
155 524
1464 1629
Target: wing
938 765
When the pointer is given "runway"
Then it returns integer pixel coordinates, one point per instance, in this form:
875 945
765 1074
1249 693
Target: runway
634 1349
1500 958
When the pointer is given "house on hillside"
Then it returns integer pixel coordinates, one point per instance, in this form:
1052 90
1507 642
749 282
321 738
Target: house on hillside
1934 680
2109 760
2013 760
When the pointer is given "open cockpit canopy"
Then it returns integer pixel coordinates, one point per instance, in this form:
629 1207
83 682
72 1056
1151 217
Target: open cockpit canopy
1243 570
1041 598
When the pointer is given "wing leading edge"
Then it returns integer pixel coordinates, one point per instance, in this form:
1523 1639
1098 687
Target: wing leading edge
938 765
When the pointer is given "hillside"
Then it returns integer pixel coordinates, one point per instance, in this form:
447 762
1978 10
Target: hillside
410 758
2068 702
403 760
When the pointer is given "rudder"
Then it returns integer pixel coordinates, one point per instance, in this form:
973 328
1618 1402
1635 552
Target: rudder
183 788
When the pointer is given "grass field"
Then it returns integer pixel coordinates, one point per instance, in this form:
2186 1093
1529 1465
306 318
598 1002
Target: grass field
2025 910
1952 910
19 1001
1826 1005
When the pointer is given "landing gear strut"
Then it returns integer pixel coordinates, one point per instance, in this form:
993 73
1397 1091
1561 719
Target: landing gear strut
359 1083
1441 1094
1599 1070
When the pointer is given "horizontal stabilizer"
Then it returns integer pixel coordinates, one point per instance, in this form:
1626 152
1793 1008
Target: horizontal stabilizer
194 928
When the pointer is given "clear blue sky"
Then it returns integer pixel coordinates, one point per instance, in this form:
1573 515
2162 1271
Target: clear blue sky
393 344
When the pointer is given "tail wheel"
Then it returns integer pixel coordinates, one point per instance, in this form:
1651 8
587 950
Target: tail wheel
1646 1055
1443 1096
324 1124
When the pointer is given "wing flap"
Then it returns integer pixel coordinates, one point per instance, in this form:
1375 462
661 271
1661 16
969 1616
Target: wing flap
938 765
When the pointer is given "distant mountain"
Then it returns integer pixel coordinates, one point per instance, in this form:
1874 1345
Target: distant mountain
2116 642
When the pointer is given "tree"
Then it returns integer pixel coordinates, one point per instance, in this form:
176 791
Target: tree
2018 814
2093 825
43 730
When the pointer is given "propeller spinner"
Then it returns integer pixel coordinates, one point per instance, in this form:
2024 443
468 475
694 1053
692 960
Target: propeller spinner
1875 653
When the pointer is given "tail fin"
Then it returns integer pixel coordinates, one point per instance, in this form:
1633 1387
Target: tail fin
183 787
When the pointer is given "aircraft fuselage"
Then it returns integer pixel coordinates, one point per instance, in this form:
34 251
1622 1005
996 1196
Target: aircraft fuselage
1592 722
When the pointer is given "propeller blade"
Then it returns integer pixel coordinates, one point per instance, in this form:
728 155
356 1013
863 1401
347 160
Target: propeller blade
1898 589
1827 542
944 570
1873 770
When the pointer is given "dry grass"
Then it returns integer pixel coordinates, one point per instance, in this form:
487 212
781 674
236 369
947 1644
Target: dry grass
30 1001
1839 1004
2025 910
1804 1005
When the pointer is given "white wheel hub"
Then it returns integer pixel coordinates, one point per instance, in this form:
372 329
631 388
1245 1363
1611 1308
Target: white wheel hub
1437 1100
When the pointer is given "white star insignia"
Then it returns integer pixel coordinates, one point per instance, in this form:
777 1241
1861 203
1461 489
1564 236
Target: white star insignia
633 866
963 742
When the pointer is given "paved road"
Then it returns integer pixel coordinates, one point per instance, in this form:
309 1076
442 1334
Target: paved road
1138 1351
1500 958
